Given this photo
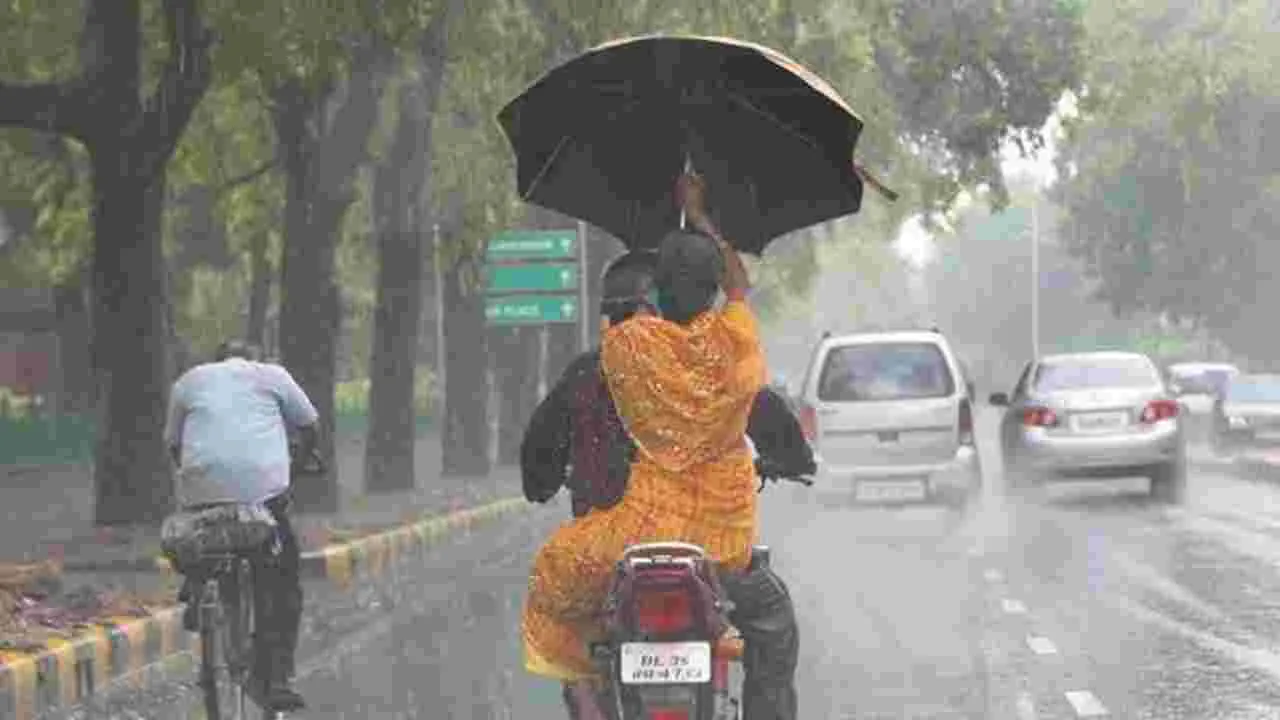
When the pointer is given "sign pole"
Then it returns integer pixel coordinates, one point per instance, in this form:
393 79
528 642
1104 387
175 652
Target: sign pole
584 336
439 279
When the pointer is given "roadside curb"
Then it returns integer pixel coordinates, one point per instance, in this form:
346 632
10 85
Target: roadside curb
68 672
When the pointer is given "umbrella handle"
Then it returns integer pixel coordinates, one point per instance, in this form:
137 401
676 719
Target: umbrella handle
688 167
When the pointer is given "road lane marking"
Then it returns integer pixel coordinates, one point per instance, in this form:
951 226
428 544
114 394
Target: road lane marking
1085 704
1041 645
1154 579
993 575
1026 707
1013 607
1252 543
1263 660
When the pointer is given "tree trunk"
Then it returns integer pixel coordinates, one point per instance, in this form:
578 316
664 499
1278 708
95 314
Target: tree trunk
515 354
465 436
259 289
309 307
132 477
401 184
322 134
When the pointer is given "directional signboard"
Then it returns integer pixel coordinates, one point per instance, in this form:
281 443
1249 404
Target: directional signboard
542 277
531 309
518 245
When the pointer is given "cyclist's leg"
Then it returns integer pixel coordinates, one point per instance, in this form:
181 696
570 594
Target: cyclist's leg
764 614
278 601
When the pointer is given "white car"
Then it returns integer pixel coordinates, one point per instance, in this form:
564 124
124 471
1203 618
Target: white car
890 415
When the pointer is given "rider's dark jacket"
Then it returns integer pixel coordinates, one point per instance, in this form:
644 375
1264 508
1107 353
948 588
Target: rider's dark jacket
576 438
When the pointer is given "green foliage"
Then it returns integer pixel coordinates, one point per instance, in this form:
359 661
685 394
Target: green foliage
351 397
45 181
1171 191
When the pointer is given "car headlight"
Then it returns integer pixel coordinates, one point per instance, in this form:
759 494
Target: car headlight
1237 422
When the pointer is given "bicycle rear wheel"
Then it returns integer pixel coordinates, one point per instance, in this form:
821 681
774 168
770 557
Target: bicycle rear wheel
223 660
214 682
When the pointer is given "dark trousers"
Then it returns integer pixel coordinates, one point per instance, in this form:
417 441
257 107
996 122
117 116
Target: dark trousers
277 601
765 615
277 584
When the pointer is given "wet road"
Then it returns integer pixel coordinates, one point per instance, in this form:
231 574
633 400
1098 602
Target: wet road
1089 600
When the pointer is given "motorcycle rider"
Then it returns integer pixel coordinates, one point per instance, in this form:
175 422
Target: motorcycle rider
707 367
575 438
227 433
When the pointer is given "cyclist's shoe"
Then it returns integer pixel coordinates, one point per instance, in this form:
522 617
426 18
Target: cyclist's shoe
282 698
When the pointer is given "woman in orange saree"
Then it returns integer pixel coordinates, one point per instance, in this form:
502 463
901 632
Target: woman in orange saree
684 386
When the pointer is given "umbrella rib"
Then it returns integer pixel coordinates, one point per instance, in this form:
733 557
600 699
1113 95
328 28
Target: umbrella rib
542 171
773 119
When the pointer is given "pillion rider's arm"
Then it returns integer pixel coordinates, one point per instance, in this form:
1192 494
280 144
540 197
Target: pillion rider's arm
778 436
545 447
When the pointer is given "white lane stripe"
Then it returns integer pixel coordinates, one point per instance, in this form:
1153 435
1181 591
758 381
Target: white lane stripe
1026 707
1257 658
1013 607
1041 645
1085 704
993 575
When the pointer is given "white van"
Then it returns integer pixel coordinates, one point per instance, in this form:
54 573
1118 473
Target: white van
890 414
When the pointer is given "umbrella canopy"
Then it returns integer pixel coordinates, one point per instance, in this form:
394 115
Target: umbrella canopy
604 137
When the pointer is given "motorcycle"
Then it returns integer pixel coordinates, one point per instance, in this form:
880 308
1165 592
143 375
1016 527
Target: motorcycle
669 648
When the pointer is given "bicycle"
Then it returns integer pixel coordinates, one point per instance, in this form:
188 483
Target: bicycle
226 615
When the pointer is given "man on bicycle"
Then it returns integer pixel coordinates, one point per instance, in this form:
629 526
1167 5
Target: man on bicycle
227 431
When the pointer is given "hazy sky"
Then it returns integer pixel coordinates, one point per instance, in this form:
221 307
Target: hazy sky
916 246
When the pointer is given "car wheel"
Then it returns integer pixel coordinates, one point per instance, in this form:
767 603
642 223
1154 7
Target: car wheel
1169 481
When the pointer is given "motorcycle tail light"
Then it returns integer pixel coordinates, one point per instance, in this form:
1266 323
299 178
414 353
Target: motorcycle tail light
669 714
1039 417
1160 410
664 611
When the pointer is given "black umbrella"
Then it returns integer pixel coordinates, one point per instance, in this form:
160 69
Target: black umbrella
604 137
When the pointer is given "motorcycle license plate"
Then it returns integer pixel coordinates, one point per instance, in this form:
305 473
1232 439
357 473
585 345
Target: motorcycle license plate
665 663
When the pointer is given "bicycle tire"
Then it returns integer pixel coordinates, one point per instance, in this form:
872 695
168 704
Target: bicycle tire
218 700
244 639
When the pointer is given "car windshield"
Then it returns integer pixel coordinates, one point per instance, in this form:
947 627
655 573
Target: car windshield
885 371
1254 390
1094 373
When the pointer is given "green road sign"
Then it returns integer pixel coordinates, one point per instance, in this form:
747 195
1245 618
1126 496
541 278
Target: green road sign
531 309
533 245
527 278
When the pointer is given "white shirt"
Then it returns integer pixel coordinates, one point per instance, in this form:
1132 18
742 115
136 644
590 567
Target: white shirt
230 420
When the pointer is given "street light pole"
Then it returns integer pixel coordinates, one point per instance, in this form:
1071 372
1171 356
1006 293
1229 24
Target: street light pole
1035 278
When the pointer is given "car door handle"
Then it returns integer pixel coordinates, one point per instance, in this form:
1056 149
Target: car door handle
827 411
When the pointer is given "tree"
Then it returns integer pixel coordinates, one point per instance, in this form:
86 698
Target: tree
401 188
324 74
129 133
1170 186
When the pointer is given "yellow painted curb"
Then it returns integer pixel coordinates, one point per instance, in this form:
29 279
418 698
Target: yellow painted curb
67 671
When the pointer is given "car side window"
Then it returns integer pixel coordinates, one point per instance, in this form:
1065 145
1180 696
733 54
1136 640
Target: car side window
1021 388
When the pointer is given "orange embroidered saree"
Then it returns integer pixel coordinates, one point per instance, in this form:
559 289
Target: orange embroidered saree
685 393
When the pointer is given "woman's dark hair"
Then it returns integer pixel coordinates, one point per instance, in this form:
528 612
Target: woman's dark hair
626 285
689 273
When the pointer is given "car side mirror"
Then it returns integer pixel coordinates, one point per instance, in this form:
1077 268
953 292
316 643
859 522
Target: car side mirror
999 399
